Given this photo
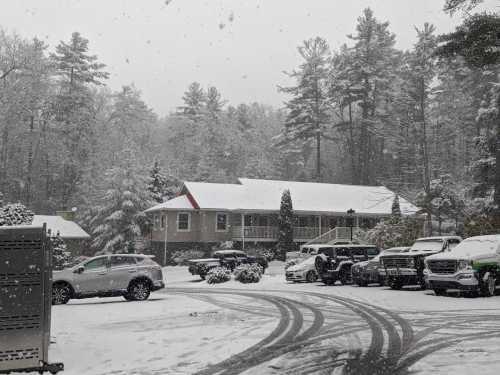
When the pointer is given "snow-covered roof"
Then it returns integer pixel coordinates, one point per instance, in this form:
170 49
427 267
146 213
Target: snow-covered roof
265 195
178 203
66 228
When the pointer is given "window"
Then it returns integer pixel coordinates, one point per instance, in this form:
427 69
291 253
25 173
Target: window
120 260
263 221
156 222
96 264
221 222
163 221
302 221
183 221
372 251
248 220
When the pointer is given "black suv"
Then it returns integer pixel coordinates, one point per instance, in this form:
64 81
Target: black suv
336 262
408 268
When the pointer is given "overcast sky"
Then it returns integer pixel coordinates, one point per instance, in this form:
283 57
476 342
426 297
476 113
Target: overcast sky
240 46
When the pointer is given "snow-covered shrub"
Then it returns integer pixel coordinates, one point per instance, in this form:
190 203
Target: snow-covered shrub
218 275
267 254
15 214
181 257
248 273
391 233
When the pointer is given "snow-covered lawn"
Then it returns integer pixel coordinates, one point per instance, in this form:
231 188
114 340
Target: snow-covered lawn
191 325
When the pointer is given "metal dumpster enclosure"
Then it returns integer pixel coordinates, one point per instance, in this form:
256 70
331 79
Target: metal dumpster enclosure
25 299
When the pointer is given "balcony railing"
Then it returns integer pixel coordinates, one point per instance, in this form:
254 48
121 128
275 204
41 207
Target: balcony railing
271 233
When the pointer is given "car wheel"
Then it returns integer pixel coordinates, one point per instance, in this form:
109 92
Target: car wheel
344 277
488 286
139 290
311 277
328 281
439 292
61 294
395 284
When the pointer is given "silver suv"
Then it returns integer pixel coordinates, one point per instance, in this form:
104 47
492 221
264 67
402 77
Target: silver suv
132 276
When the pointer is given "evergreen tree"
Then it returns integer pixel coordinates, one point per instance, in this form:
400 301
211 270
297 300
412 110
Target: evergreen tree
373 72
74 109
119 219
61 257
194 100
285 226
156 185
309 108
395 208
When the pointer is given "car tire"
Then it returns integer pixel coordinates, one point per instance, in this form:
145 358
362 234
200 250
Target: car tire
395 284
362 283
344 277
328 281
203 277
311 277
139 290
320 264
488 287
61 294
439 292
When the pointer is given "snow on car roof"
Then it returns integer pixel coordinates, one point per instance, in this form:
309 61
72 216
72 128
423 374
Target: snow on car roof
265 195
56 224
178 203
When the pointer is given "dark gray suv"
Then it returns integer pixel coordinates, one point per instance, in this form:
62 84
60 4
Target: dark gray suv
133 276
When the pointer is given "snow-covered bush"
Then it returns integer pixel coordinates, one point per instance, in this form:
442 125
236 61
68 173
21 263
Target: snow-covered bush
391 233
262 252
15 214
248 273
181 257
218 275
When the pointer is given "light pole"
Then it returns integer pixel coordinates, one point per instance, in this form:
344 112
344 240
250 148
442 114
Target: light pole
350 214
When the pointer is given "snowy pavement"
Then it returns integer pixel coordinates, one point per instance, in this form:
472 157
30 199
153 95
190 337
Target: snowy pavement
274 327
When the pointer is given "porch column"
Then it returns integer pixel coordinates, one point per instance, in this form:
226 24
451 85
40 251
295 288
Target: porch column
242 231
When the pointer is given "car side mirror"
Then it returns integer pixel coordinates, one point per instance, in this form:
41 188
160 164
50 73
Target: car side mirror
79 269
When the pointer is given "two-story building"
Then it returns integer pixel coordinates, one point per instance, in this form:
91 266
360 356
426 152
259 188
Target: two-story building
246 213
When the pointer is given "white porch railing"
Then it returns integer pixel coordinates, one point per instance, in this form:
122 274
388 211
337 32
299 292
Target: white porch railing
337 234
271 233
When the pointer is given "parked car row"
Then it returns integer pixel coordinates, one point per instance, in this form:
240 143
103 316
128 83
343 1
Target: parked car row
440 263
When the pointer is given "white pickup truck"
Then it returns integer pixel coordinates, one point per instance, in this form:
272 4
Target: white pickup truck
472 266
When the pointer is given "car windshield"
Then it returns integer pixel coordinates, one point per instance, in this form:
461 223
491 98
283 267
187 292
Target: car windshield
427 245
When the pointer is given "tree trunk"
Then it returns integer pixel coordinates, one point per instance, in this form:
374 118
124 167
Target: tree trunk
496 197
318 154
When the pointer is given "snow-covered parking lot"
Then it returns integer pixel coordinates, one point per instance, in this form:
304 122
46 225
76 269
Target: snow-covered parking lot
277 328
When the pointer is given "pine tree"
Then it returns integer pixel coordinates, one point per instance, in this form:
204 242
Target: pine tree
285 226
15 214
156 185
194 100
61 257
372 73
120 219
309 108
73 108
396 209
